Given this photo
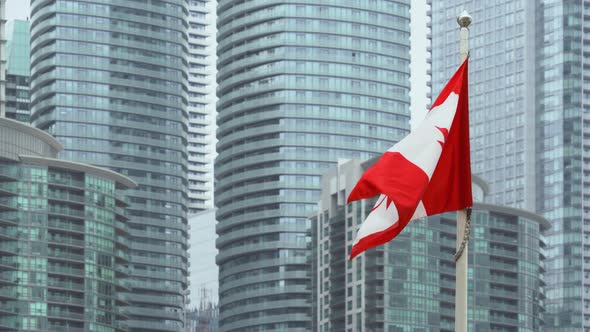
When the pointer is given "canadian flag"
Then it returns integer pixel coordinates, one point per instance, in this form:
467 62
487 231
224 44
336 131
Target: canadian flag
426 173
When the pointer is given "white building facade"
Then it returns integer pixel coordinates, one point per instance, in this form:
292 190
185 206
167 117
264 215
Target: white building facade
202 99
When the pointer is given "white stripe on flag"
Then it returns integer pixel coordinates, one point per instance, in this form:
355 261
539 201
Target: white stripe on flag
380 219
421 147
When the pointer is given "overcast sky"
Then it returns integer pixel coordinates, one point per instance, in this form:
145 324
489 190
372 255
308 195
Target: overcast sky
17 9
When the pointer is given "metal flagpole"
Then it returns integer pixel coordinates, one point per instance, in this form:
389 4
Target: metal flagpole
463 216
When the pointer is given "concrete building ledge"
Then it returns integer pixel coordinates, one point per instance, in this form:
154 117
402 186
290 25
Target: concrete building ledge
71 165
30 130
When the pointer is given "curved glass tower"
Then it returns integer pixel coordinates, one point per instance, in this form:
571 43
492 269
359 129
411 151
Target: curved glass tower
300 85
408 284
109 81
63 238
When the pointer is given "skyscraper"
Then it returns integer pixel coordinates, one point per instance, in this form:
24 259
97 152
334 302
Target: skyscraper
502 98
109 81
64 252
201 103
300 85
563 165
529 114
408 284
18 70
2 58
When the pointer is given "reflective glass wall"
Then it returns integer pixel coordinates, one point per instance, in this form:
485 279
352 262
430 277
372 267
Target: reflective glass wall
408 284
109 81
301 84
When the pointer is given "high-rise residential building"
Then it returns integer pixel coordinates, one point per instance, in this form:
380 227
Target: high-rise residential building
2 58
529 86
301 84
502 93
201 103
109 80
18 70
562 155
408 284
64 251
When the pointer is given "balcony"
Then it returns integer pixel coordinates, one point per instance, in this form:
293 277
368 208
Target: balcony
69 285
65 182
64 328
9 174
66 226
66 212
64 255
65 270
65 314
66 299
65 196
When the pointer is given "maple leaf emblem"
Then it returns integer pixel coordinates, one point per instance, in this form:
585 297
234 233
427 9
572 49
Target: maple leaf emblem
384 198
445 133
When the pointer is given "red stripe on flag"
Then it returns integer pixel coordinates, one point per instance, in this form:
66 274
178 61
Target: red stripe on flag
450 186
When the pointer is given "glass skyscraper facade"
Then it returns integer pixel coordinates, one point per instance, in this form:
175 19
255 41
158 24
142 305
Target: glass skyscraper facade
301 84
563 144
532 63
502 95
109 81
18 70
408 284
64 251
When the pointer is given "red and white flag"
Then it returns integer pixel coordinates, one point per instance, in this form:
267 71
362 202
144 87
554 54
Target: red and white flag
426 173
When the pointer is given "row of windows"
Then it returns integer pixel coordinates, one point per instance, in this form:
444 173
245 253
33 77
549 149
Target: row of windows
111 10
325 25
376 11
359 75
118 147
356 58
330 115
111 37
327 40
78 75
162 72
155 58
71 102
63 86
352 101
91 132
107 158
322 84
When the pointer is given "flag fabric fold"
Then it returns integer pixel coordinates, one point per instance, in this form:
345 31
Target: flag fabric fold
426 173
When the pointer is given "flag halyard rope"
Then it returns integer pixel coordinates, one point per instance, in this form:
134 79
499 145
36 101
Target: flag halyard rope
466 235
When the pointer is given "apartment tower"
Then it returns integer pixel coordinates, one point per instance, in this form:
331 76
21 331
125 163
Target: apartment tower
64 250
110 81
18 70
301 84
528 119
408 284
201 103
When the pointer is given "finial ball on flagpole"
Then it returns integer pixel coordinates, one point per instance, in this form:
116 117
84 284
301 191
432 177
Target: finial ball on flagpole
464 19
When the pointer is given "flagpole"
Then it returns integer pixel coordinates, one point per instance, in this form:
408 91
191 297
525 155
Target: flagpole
464 20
